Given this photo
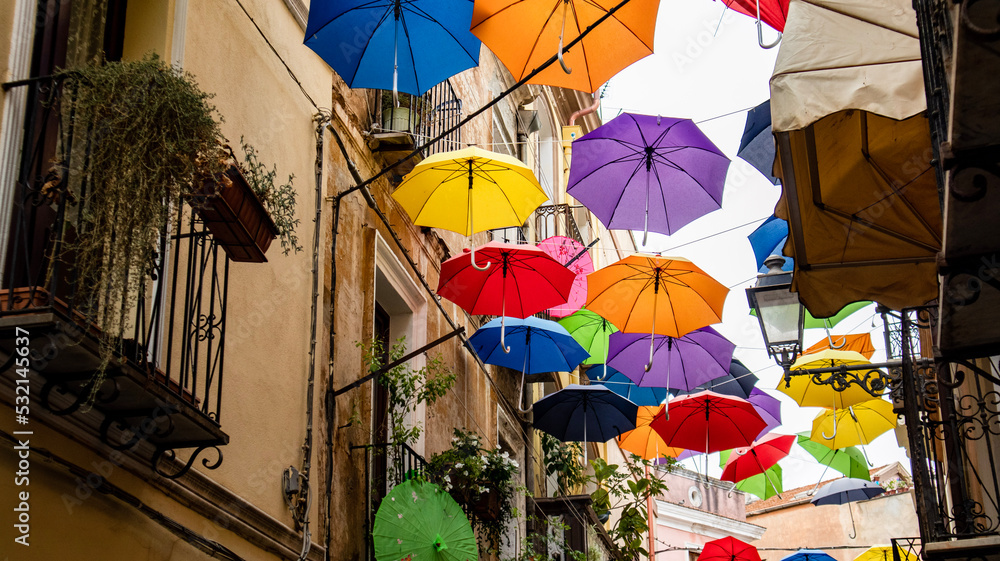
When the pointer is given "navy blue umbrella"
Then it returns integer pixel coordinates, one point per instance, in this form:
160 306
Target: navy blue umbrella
738 383
585 414
621 385
757 144
399 45
769 239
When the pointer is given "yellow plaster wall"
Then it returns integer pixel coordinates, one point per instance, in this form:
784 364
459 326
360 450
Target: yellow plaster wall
149 25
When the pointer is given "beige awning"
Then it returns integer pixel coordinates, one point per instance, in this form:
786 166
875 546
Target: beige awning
854 154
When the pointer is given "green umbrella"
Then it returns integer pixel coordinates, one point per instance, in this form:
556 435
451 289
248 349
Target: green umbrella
762 485
592 332
848 461
419 521
811 322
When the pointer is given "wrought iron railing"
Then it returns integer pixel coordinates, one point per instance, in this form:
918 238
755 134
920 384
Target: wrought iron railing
513 235
386 465
173 325
556 220
934 21
425 117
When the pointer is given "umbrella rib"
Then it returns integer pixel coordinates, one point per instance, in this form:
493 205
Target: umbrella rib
421 12
365 6
621 195
413 61
629 29
583 48
364 50
531 51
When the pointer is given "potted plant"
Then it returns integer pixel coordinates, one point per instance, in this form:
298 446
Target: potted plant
404 116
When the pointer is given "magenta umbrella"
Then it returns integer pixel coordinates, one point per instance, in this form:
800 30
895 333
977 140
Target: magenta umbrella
650 173
680 363
574 256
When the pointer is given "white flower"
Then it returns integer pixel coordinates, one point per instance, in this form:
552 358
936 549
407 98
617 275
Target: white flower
485 490
459 465
447 478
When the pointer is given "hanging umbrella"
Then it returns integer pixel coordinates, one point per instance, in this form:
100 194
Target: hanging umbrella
592 332
768 407
771 12
812 322
419 520
575 257
848 461
885 553
407 46
621 385
469 191
757 458
764 485
646 172
728 549
584 414
757 145
854 425
656 295
738 382
709 421
526 33
844 491
517 281
535 345
645 442
807 393
767 240
808 555
858 342
682 363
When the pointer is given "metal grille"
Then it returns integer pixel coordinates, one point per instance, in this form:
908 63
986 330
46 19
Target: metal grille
556 220
425 117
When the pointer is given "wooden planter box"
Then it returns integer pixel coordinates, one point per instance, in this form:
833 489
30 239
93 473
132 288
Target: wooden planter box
235 216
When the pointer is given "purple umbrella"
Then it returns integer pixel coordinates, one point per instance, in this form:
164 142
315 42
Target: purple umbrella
640 171
681 363
769 408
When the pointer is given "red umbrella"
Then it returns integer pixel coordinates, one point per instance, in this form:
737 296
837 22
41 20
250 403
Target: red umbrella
772 12
518 281
758 457
728 549
709 421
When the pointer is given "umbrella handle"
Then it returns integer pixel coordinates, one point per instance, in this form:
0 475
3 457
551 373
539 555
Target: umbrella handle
854 530
834 422
760 33
520 395
503 345
472 254
652 337
562 32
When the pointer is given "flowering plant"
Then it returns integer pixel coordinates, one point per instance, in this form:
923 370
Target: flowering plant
482 481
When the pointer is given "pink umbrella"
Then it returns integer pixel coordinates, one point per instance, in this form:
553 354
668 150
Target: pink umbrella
575 257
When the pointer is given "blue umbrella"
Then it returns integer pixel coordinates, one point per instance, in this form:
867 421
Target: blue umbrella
585 414
808 555
399 45
768 239
757 144
621 385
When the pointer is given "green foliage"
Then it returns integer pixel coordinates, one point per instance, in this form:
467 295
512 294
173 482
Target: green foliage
626 489
407 388
470 472
537 545
278 200
561 458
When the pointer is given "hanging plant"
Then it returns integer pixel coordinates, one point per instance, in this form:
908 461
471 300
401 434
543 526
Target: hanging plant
278 199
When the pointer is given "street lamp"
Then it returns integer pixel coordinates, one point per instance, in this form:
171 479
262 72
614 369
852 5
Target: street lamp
779 312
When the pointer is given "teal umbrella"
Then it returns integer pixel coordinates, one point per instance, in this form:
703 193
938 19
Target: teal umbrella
762 485
849 461
419 521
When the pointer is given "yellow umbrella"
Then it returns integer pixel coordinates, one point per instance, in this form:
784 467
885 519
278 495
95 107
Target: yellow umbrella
808 393
645 442
469 191
884 553
855 425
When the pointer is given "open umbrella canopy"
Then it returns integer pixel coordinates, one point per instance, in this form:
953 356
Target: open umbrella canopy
536 345
643 172
728 549
807 393
858 342
584 414
854 425
681 363
848 461
885 553
525 33
575 257
407 46
738 382
592 332
621 385
758 457
709 422
767 240
768 407
419 520
764 485
846 490
808 555
645 442
757 144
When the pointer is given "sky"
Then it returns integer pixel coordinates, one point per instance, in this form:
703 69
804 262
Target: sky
707 66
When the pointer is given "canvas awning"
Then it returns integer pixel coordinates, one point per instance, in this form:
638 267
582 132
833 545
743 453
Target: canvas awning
854 153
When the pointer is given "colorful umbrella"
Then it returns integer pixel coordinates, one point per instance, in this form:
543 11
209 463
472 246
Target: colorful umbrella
846 490
808 555
848 461
859 343
645 442
771 12
857 424
526 33
764 485
682 363
391 44
574 256
419 520
768 407
647 172
657 295
592 332
709 421
469 191
728 549
807 393
811 322
757 145
584 414
517 281
767 240
884 553
621 385
738 382
757 458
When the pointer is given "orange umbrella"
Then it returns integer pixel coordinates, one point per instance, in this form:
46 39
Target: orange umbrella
858 342
645 442
657 295
526 33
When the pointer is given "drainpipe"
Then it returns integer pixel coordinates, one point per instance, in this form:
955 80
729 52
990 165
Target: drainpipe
651 522
585 110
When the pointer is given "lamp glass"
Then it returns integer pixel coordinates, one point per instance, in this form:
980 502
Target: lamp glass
780 316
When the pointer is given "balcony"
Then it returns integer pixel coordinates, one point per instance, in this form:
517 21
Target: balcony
557 220
386 465
144 375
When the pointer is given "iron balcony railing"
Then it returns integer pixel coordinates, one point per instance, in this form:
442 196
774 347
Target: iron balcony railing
174 323
386 465
424 117
556 220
